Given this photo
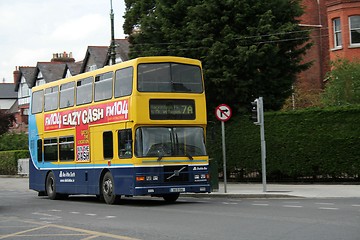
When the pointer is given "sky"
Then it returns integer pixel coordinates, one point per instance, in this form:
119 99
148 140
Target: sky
32 30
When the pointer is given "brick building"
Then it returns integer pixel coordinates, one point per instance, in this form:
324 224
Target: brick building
335 33
344 28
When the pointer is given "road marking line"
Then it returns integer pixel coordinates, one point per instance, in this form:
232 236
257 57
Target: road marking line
355 205
328 208
91 214
260 204
91 237
89 232
75 212
22 232
292 206
325 203
229 203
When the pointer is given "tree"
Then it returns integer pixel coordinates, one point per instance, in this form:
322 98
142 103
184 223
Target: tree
248 48
6 121
343 86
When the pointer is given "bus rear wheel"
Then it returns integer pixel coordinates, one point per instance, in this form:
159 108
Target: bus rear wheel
51 186
108 189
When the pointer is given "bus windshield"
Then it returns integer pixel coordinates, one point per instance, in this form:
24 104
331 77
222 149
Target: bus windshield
169 77
170 142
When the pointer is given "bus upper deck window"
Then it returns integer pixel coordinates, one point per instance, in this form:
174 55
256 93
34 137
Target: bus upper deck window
123 82
37 102
103 86
169 77
84 91
67 95
51 98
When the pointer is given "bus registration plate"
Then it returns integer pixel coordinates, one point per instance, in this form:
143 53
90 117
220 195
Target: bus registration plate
177 190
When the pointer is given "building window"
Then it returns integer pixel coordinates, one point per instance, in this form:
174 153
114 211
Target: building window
354 22
337 33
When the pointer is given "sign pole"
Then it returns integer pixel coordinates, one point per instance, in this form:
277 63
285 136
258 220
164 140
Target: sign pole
224 153
223 114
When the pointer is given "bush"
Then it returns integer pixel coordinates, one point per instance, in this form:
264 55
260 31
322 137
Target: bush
13 141
8 161
299 144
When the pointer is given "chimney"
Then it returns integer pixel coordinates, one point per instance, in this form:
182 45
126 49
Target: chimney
62 57
16 74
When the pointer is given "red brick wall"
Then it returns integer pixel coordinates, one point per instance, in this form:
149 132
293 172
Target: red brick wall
315 19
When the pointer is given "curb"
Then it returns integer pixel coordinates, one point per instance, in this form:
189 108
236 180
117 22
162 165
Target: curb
237 195
14 176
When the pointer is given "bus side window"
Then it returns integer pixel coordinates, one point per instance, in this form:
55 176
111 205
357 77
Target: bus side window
39 150
84 91
51 98
125 143
108 150
123 82
103 86
66 148
37 102
50 149
67 95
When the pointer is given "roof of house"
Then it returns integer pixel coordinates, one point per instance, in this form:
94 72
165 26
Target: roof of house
7 91
98 53
122 48
74 67
28 73
51 71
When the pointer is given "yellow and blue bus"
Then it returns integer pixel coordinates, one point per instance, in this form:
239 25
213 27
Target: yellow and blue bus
131 129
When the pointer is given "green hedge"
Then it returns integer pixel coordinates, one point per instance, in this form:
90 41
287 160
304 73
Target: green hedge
299 144
8 161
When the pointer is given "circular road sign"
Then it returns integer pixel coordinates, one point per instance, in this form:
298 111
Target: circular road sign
223 112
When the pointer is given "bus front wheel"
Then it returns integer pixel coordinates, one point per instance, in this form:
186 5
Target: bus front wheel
108 189
171 197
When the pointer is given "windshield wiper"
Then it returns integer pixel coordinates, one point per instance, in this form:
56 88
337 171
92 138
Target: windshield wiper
160 157
189 156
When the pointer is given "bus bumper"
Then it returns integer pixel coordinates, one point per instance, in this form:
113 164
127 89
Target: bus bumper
159 190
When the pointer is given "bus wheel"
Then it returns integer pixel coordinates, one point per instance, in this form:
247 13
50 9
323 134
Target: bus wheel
108 189
171 197
51 186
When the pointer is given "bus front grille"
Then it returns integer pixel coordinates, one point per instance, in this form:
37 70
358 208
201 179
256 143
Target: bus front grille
176 174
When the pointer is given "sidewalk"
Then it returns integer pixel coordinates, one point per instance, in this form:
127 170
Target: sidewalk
241 190
244 190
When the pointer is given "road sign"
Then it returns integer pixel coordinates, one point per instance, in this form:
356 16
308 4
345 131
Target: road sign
223 112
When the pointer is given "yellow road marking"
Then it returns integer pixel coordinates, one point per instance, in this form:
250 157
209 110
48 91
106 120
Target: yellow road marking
84 232
22 232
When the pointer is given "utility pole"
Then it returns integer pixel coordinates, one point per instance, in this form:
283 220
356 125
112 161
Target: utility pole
112 45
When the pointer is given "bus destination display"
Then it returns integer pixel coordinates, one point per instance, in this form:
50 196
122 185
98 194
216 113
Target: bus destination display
172 109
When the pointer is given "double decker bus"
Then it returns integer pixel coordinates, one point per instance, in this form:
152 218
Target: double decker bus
131 129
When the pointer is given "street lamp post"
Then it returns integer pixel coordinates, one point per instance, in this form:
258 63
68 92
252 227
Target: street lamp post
112 45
